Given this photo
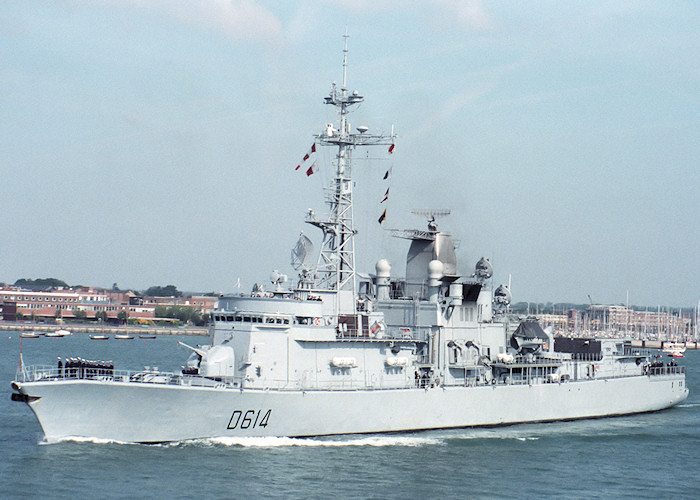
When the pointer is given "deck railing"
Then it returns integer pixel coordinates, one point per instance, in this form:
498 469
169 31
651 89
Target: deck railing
350 333
35 373
587 356
666 370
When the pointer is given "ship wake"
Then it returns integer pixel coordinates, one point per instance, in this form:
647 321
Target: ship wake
82 439
282 442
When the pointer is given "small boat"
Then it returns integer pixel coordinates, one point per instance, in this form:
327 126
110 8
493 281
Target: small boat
99 337
123 336
29 335
58 333
674 350
147 336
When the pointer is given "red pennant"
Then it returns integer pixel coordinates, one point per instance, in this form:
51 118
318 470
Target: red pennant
311 169
307 156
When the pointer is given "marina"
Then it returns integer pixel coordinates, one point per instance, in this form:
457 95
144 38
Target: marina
108 329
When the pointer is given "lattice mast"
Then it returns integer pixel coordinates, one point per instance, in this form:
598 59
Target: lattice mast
336 262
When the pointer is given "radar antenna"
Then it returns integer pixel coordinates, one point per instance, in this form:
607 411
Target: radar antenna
302 252
432 215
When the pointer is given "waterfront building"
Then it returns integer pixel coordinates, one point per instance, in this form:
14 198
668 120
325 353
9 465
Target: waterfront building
617 321
66 303
558 322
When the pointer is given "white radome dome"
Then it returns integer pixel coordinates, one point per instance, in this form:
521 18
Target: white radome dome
383 268
435 269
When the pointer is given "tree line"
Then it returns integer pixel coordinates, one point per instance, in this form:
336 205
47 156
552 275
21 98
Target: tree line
41 284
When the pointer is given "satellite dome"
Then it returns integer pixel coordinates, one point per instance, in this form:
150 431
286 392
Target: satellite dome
362 129
383 268
435 269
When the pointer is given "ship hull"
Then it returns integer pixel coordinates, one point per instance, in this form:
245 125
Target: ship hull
132 412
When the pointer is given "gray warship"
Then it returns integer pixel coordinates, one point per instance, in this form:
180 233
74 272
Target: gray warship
340 352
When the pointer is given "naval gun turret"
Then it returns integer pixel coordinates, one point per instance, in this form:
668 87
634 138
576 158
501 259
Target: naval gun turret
483 269
210 361
502 298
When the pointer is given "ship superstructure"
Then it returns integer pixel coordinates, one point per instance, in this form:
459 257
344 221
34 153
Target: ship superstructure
341 352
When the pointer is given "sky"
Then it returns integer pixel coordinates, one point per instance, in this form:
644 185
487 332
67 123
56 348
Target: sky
154 142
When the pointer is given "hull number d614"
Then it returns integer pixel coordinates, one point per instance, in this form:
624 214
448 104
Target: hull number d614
249 419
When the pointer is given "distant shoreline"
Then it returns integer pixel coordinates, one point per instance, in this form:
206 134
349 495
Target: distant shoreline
111 329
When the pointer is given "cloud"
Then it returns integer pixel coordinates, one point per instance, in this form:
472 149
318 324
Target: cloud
449 107
468 14
359 6
237 19
483 83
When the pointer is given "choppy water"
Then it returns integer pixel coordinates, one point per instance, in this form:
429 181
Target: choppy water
655 455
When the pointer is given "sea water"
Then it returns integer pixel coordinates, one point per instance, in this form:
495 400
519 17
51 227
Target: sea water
654 455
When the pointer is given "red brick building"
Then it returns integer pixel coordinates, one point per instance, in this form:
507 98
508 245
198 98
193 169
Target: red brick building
65 303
